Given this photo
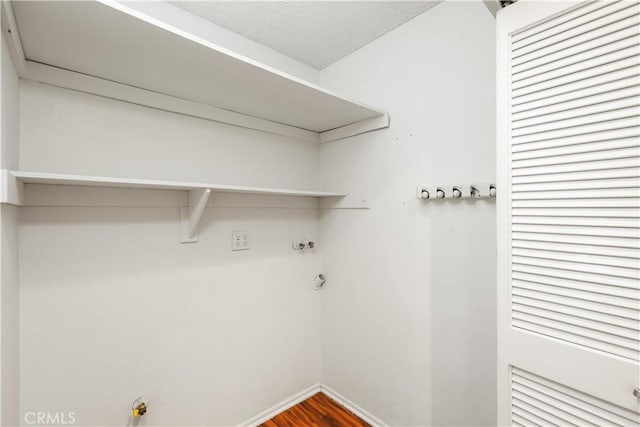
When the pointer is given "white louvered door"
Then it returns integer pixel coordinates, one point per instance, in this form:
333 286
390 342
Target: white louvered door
569 213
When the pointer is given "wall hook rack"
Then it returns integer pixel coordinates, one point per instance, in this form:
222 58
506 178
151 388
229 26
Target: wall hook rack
464 191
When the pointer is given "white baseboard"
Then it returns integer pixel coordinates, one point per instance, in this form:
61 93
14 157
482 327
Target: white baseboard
305 394
364 415
281 407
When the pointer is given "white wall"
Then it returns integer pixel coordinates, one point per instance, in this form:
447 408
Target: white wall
9 298
70 132
9 150
409 315
112 306
9 347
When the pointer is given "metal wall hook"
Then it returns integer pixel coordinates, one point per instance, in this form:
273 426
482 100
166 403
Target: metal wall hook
303 244
318 282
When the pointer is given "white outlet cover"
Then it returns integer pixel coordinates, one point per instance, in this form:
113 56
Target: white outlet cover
240 240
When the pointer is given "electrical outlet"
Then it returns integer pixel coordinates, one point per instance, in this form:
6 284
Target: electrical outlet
240 240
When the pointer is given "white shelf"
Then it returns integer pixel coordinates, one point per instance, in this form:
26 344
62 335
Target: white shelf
99 181
117 44
199 193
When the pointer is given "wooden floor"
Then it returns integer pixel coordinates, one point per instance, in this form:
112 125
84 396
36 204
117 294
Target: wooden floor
317 411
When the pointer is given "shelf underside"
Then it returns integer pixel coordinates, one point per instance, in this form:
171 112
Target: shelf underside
94 181
115 43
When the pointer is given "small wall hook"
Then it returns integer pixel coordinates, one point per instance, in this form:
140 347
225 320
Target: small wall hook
318 282
303 244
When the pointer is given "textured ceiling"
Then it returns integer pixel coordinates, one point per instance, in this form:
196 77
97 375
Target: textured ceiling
316 33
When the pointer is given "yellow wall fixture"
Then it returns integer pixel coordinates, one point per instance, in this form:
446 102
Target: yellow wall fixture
139 407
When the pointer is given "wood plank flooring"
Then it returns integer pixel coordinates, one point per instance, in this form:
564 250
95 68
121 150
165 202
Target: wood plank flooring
317 411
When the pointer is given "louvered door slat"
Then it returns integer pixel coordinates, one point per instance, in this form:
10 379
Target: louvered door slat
618 55
617 51
623 162
552 272
548 417
605 413
587 147
560 159
539 314
618 18
558 415
578 185
570 106
581 193
620 109
565 237
524 419
629 132
583 95
600 342
584 266
598 307
620 236
529 251
615 77
580 15
583 129
563 117
579 294
577 212
626 203
577 81
561 246
565 406
562 283
630 223
605 28
582 60
552 308
577 230
597 303
572 176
